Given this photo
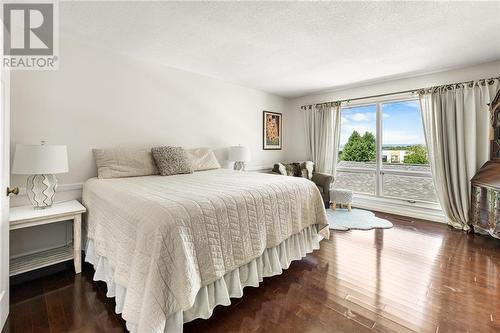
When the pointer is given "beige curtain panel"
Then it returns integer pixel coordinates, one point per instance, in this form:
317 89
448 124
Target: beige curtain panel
322 126
456 127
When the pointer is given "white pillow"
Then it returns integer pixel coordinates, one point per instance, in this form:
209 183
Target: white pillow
202 159
124 162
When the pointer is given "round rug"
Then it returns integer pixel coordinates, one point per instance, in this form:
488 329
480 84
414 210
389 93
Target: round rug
359 219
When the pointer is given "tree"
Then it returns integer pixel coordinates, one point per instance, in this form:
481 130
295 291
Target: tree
417 154
359 148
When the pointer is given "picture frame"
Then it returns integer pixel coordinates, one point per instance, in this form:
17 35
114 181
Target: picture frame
272 131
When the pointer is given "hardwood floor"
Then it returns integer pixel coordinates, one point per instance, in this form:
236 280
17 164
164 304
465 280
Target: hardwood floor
417 276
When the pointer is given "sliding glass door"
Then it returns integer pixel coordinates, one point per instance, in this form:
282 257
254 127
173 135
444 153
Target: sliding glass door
405 170
383 151
357 169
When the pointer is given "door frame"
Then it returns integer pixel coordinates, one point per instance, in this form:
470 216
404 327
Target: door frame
4 199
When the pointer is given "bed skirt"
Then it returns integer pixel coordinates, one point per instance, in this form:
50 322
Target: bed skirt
270 263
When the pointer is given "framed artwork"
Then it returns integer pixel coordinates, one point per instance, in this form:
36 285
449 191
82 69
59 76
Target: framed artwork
272 131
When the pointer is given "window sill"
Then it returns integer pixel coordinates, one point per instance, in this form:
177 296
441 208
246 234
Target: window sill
421 210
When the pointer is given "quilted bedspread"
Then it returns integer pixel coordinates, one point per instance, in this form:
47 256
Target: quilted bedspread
166 237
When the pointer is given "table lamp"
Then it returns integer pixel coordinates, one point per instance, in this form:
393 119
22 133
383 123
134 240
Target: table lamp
240 155
41 162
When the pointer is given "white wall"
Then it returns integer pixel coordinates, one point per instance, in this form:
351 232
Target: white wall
295 143
99 99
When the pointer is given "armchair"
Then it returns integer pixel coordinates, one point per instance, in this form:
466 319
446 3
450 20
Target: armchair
322 180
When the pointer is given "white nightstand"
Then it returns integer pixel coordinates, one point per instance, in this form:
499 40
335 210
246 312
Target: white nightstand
27 216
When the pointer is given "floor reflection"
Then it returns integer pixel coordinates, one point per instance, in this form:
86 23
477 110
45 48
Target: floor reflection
388 273
415 277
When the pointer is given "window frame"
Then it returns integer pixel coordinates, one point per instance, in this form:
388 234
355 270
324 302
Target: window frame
379 171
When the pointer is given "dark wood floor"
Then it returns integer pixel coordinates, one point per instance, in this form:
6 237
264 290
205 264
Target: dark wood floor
417 276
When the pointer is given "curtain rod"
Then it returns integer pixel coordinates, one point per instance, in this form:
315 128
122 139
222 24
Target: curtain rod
413 91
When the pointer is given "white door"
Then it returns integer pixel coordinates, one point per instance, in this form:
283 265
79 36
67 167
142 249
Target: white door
4 199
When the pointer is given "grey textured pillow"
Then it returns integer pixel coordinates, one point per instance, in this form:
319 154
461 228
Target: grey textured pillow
171 160
124 162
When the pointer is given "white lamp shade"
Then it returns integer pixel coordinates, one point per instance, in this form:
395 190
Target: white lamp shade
239 153
40 159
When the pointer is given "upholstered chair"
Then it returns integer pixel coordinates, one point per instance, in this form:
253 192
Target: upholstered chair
322 180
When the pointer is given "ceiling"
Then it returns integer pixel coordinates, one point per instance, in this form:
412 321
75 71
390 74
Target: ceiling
293 48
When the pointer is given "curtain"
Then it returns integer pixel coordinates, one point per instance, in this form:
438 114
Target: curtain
322 128
456 126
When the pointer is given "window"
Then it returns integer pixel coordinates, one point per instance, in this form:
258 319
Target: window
383 151
358 154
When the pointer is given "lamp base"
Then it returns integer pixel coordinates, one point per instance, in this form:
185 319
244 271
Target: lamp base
41 190
239 166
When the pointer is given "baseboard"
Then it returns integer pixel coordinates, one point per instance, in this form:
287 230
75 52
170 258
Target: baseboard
4 307
420 210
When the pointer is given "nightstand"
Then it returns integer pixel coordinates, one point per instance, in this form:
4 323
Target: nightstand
28 216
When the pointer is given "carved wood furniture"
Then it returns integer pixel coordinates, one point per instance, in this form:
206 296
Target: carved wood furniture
485 203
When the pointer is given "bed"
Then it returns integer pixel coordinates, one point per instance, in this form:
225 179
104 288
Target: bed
172 248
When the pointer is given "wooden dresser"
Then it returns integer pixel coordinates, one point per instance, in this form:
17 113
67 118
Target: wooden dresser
485 203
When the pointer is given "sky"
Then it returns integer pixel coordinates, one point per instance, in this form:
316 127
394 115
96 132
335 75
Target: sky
401 122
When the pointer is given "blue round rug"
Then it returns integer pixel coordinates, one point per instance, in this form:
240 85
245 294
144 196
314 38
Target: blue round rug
359 219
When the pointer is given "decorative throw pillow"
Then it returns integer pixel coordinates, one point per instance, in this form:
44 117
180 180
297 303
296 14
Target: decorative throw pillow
202 159
280 168
124 162
307 169
171 160
293 169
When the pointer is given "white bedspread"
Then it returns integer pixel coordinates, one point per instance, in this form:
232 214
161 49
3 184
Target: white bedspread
166 237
